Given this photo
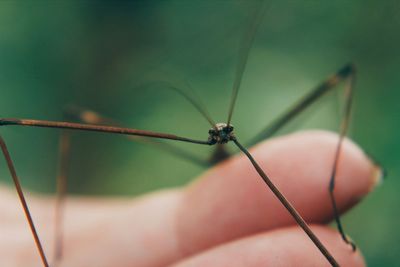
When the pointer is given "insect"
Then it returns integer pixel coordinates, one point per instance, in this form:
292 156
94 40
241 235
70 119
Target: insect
219 135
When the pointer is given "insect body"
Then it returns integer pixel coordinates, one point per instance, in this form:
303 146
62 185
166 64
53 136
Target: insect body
222 133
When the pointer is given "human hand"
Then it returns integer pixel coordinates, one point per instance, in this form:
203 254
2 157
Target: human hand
227 217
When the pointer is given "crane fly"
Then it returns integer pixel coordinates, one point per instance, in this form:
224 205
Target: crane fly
219 135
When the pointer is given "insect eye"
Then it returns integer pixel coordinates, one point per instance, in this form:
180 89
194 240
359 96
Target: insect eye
228 129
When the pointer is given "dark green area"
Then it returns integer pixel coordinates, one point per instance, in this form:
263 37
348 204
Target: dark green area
96 53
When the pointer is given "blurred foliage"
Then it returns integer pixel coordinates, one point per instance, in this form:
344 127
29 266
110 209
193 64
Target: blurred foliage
94 53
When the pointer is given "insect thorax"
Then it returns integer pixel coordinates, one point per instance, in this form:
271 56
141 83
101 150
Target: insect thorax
221 133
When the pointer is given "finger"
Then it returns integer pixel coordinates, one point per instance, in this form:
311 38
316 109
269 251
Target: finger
231 200
283 247
226 203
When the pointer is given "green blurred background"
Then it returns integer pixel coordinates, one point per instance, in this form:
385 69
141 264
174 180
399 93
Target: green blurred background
94 54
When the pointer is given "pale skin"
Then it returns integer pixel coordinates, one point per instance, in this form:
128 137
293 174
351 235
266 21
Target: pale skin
226 217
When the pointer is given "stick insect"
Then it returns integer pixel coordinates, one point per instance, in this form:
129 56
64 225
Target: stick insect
218 135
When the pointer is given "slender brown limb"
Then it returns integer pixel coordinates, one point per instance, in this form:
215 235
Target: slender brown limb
92 117
244 51
350 80
61 188
303 103
300 221
21 196
62 178
197 104
97 128
347 74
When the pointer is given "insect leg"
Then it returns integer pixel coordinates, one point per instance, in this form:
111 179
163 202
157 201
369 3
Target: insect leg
98 128
343 130
64 158
71 126
244 52
346 74
289 207
91 117
328 85
22 199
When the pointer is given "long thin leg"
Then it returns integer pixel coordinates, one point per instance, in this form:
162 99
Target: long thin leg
21 196
300 221
92 117
60 199
347 74
344 73
343 130
97 128
244 51
191 98
64 157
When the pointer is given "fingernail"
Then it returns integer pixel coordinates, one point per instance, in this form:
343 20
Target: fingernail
378 174
377 177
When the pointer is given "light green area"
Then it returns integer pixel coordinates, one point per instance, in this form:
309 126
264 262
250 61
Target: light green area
93 54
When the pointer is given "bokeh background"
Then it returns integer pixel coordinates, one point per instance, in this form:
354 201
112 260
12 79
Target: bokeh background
96 54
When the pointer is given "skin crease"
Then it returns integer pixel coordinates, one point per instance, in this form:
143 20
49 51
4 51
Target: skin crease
226 217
